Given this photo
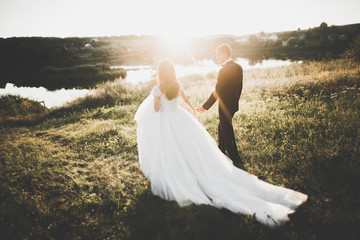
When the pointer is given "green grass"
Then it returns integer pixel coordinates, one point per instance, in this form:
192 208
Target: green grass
14 106
73 173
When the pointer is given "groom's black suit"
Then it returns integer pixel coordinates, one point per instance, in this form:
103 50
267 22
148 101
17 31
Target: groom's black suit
228 90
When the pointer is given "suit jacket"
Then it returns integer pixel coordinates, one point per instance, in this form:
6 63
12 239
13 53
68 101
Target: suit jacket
228 88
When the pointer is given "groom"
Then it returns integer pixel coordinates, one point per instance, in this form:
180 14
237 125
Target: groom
227 90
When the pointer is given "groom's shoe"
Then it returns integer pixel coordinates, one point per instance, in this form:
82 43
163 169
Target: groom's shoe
239 164
239 160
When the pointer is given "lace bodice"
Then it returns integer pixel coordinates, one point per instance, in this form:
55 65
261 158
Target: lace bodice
166 104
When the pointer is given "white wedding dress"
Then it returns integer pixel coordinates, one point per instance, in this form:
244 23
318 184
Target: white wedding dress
183 163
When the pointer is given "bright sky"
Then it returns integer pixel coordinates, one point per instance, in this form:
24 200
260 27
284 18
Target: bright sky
67 18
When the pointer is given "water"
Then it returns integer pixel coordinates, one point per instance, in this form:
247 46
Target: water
144 73
41 94
135 74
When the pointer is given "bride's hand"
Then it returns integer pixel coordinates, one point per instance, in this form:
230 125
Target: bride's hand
194 111
200 110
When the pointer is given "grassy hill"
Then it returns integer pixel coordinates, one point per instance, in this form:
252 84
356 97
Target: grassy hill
73 172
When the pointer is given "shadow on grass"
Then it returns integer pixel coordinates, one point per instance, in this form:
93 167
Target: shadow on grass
155 218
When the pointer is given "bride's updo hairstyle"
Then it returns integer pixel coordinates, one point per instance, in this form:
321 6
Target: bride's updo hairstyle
167 79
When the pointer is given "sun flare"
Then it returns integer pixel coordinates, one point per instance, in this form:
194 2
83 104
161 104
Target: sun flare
176 40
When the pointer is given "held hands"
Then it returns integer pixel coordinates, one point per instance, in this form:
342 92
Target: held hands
194 111
200 110
197 110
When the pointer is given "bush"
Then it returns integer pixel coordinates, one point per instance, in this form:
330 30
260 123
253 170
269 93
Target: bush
353 53
291 42
273 43
13 106
83 76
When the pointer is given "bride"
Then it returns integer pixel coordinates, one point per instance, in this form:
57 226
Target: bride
184 164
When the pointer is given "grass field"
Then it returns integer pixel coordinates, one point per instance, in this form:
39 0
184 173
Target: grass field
74 174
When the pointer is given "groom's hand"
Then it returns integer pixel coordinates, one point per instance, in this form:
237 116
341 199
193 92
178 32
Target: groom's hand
200 110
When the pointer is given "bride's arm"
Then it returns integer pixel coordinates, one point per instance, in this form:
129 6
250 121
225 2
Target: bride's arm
186 101
156 103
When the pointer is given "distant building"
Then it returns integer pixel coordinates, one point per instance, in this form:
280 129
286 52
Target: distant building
71 48
87 46
343 37
335 36
273 37
302 36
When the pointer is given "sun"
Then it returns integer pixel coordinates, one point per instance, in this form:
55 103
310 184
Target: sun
176 40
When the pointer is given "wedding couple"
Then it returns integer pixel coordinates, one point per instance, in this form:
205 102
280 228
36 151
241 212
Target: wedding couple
183 162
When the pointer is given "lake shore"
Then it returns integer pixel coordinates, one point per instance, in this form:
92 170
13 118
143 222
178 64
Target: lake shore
134 75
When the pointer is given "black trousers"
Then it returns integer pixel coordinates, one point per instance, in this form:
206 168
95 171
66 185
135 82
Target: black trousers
226 136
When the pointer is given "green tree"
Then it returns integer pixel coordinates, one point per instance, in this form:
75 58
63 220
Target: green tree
301 43
254 41
323 26
323 30
274 43
291 42
100 54
353 53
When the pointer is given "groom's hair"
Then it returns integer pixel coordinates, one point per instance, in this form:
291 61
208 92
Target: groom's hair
224 48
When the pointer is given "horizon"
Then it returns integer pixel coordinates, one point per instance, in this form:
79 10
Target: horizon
174 19
164 35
